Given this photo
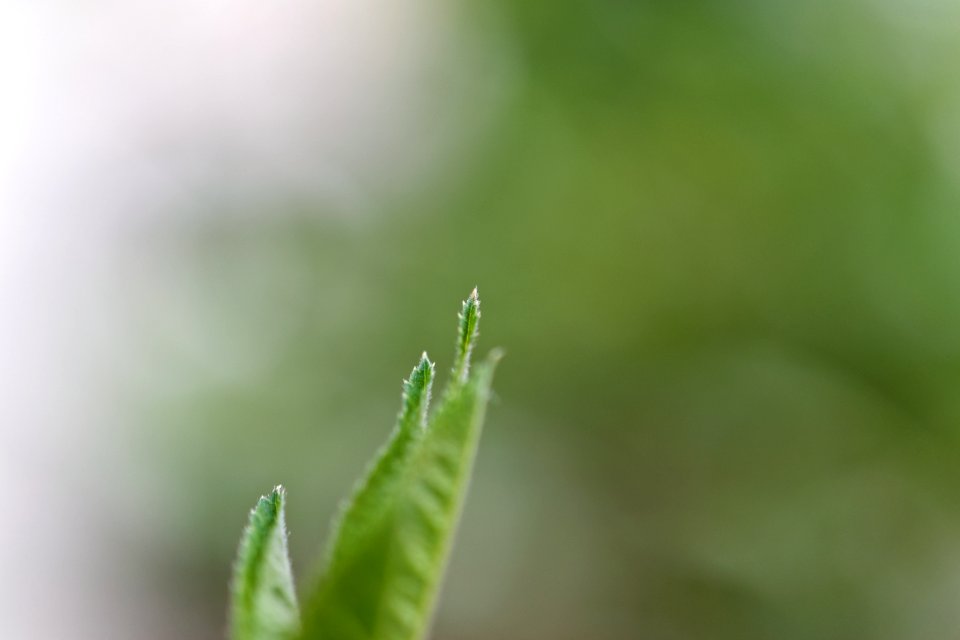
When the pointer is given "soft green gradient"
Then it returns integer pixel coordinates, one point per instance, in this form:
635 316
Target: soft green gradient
719 244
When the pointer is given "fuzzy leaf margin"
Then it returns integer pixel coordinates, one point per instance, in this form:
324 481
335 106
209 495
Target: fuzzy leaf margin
264 602
390 542
381 582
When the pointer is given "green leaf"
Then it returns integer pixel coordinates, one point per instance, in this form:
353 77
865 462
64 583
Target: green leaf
374 492
388 556
468 331
264 604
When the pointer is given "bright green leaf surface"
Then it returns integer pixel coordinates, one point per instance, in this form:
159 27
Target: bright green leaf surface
385 567
390 542
372 495
467 331
264 605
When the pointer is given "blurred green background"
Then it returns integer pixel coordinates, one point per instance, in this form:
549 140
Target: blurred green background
719 243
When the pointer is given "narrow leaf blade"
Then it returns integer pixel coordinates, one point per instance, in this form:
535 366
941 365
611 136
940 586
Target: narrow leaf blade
386 588
431 507
383 585
372 494
467 333
264 603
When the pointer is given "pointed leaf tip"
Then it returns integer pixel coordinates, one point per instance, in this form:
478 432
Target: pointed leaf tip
416 391
264 605
468 330
382 480
391 544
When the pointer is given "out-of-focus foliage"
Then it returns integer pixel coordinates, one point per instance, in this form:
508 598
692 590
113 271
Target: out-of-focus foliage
744 423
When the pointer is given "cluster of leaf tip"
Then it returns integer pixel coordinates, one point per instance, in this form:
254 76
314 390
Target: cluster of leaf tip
389 543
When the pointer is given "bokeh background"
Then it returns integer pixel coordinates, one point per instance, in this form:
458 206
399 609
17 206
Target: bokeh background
719 241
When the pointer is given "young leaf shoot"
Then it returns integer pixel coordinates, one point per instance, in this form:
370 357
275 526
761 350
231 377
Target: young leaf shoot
389 544
264 604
